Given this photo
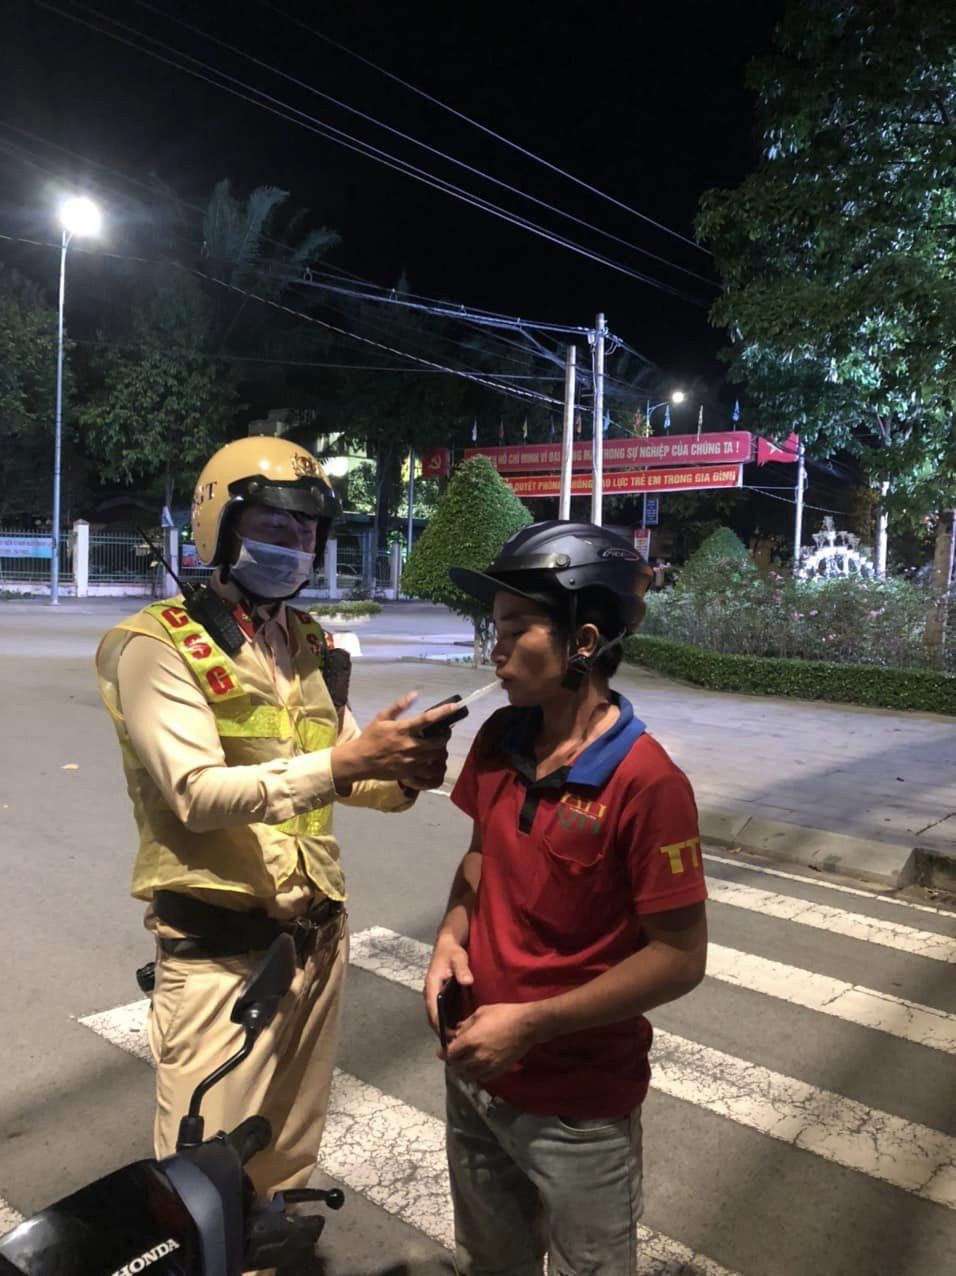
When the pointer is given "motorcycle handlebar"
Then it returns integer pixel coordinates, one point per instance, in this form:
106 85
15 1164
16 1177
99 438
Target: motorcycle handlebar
249 1137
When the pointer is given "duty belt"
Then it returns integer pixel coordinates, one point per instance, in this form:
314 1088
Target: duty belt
214 932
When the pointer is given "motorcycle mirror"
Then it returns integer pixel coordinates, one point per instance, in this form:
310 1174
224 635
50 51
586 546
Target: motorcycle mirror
255 1009
266 986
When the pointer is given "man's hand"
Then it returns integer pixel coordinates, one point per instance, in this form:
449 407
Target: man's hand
389 749
492 1040
449 958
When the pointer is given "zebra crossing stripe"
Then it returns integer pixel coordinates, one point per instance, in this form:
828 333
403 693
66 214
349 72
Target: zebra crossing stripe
404 961
394 1154
905 1154
872 930
822 884
9 1218
881 1011
902 1153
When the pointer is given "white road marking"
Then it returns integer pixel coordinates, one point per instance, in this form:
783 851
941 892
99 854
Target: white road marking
124 1026
903 1153
394 1154
830 886
906 1154
923 1025
9 1218
873 930
405 961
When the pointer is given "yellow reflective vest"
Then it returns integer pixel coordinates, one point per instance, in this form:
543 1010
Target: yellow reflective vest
254 727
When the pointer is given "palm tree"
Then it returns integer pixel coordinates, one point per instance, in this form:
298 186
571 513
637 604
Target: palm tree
244 243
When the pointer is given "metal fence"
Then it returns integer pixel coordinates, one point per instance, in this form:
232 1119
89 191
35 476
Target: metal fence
122 558
25 556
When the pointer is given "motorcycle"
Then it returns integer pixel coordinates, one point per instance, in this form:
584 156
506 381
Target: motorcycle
191 1214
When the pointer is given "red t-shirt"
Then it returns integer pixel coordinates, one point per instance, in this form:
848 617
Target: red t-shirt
570 864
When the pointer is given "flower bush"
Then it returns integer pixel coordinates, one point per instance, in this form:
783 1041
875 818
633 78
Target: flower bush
724 606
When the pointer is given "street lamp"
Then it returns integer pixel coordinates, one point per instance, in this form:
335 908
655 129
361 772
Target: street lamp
678 396
78 216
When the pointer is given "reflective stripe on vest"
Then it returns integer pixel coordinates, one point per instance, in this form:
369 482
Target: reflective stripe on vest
235 715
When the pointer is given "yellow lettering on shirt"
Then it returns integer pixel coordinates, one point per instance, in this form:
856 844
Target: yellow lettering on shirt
675 855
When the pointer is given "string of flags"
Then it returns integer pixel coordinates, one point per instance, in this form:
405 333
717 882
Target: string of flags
640 428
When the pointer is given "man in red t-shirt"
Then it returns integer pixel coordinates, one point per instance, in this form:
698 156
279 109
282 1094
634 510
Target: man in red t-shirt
578 906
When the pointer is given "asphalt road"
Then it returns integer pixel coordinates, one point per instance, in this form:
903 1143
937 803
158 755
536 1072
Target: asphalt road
801 1118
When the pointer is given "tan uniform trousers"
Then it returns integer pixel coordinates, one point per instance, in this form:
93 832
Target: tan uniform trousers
286 1078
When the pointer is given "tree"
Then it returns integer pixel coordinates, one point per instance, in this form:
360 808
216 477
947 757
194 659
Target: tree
239 246
837 254
163 405
27 395
472 521
720 564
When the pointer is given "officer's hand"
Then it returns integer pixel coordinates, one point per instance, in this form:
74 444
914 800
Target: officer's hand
429 775
389 749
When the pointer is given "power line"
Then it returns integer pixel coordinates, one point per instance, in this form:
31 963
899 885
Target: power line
484 129
512 391
296 116
230 356
460 314
789 500
432 150
377 292
481 320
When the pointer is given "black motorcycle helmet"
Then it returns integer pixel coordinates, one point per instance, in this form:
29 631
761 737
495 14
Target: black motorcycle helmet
557 564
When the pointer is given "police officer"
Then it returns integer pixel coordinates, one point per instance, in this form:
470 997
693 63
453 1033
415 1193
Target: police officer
236 740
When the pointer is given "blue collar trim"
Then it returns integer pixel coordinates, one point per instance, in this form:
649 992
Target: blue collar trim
596 764
601 759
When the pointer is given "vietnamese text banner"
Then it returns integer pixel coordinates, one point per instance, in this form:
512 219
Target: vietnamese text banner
629 483
732 447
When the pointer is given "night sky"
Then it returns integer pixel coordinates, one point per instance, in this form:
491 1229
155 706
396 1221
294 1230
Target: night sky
645 102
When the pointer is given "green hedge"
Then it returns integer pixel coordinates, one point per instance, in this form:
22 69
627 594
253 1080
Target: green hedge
344 609
806 679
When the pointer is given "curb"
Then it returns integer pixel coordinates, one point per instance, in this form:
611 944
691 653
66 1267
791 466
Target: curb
888 863
931 868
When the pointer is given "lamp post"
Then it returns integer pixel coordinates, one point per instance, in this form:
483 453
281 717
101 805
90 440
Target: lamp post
677 396
78 216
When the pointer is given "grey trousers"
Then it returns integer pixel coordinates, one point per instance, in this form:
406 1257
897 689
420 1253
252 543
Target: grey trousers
525 1186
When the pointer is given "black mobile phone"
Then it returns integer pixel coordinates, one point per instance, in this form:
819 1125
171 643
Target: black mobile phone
436 727
449 1009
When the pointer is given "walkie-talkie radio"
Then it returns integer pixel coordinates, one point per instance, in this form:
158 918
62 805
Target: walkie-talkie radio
205 607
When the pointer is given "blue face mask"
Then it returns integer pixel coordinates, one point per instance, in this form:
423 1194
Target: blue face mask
271 571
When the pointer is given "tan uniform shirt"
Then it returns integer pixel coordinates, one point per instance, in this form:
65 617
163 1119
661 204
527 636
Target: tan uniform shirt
175 737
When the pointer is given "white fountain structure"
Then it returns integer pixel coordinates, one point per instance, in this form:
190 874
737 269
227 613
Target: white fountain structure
836 555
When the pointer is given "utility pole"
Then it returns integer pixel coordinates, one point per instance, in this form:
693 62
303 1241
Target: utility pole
798 518
882 529
58 430
411 496
597 493
567 433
